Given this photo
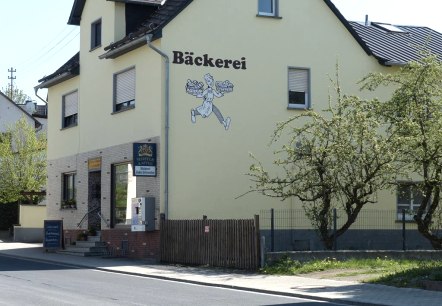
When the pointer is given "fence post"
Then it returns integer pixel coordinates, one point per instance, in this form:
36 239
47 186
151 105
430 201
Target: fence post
262 250
334 229
257 251
272 230
404 247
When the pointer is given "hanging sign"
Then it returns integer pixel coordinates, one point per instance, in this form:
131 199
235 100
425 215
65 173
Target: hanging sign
145 159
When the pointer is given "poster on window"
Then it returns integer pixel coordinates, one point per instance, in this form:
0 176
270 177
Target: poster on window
145 159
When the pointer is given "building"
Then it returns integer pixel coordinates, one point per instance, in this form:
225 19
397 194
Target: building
187 89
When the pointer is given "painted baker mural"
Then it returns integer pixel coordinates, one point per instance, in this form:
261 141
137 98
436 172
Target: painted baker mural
213 90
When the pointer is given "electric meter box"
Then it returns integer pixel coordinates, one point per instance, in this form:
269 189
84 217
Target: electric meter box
143 214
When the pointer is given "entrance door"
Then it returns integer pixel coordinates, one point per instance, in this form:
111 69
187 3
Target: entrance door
94 200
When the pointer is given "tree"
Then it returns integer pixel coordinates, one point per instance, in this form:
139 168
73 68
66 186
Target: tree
16 95
22 161
414 116
337 159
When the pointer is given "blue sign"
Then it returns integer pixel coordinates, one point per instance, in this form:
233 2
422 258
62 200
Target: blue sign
145 159
53 235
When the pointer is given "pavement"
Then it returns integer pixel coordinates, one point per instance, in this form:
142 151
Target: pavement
345 292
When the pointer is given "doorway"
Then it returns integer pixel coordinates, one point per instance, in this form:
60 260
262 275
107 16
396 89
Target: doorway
94 200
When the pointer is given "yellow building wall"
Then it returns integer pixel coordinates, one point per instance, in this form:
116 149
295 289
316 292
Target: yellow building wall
97 126
32 216
208 164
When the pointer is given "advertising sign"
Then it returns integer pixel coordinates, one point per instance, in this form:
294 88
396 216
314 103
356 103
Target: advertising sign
53 234
145 159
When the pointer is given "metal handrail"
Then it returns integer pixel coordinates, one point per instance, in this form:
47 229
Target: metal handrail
102 218
85 216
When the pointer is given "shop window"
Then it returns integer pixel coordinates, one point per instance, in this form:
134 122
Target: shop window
96 34
268 8
299 88
124 90
123 190
69 191
70 109
409 198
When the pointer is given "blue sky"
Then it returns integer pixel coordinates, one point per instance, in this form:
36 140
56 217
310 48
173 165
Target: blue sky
36 39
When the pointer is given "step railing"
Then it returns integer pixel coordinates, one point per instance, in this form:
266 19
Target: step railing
79 224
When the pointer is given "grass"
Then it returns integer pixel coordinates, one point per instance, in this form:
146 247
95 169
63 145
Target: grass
386 271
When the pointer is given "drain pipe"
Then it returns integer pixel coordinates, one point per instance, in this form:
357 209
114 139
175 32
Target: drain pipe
166 136
36 88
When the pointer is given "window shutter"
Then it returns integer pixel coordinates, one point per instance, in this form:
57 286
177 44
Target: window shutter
298 80
71 104
125 86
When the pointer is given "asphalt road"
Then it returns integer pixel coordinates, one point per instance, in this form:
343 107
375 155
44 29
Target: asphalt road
27 282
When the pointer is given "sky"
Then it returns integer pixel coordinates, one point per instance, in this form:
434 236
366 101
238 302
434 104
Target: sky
36 39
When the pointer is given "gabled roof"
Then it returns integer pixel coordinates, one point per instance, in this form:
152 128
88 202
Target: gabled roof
69 70
37 124
392 47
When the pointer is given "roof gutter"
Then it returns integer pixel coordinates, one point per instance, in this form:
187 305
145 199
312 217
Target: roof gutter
148 40
124 48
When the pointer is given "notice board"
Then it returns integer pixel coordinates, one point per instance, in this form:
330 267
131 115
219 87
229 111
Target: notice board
53 234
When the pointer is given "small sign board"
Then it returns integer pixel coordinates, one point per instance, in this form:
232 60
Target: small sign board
53 234
94 164
145 159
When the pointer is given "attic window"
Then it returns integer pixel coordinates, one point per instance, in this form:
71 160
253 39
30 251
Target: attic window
388 27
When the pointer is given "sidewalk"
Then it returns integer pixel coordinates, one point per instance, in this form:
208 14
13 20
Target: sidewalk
352 293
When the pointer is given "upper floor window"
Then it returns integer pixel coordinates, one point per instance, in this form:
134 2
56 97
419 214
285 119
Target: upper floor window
299 88
124 90
96 34
268 8
70 109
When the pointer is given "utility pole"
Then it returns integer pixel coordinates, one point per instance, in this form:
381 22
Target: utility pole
11 84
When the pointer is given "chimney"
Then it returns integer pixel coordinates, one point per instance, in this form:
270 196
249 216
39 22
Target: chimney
367 23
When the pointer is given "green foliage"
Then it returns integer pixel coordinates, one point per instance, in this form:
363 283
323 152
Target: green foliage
16 95
414 118
394 272
22 161
333 159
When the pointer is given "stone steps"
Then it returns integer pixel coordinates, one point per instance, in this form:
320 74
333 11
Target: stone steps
92 247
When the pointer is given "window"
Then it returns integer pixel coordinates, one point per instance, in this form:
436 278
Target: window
409 198
267 7
70 109
124 90
299 88
69 191
123 190
96 34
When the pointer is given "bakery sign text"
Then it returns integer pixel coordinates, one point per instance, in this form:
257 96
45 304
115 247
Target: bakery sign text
189 58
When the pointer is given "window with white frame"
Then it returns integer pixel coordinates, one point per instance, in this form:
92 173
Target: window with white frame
409 198
299 88
96 34
70 109
124 90
267 7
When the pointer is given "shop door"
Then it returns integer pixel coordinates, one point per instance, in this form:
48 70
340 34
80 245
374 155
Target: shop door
94 200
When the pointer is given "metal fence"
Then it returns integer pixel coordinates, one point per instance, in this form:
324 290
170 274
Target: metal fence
291 230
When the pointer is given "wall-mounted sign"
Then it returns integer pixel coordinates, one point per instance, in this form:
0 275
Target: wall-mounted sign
145 159
189 59
53 234
94 164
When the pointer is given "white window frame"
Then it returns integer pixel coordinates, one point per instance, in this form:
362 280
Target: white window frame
70 110
273 13
302 85
124 100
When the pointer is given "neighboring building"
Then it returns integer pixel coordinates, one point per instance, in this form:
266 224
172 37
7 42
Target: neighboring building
11 113
235 69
